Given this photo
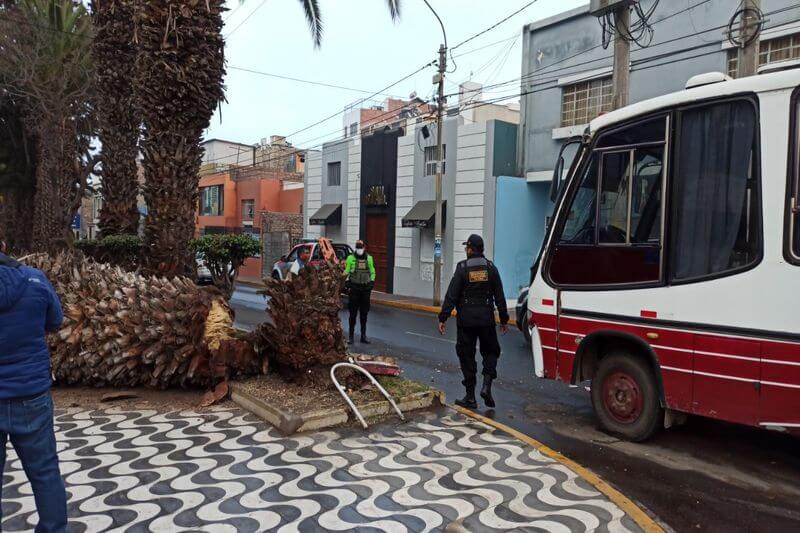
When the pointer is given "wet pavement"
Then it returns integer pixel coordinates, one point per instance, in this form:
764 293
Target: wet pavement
705 475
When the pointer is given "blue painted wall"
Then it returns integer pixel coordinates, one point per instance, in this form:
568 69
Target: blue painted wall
522 208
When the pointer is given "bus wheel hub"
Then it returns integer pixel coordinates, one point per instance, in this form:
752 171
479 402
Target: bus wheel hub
622 397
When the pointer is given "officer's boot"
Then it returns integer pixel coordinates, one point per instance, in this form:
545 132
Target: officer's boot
468 400
486 392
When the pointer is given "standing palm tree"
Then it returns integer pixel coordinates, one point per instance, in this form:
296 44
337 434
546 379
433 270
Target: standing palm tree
180 66
114 56
178 84
46 67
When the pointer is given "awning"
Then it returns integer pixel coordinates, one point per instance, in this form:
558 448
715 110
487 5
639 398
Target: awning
327 215
423 215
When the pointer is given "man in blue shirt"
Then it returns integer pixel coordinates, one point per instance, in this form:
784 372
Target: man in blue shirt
29 308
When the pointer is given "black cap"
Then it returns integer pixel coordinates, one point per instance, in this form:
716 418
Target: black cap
475 242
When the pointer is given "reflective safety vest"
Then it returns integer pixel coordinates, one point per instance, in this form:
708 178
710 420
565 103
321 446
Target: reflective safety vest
361 275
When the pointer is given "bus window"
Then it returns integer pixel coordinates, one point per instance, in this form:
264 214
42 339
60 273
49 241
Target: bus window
614 198
716 205
579 227
616 220
646 190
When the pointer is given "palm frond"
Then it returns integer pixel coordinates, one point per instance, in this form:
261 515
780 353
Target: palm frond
394 9
314 18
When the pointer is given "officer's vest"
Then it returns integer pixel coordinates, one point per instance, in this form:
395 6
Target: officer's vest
361 275
478 290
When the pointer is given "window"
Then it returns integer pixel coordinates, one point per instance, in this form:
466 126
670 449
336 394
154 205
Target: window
353 128
582 102
715 197
248 210
430 160
794 187
211 200
771 51
334 174
580 225
612 232
97 206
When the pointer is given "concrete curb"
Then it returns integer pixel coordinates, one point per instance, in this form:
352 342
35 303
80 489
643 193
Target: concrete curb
411 306
636 513
289 423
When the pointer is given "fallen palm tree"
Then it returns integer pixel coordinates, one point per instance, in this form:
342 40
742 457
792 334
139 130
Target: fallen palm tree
126 329
303 334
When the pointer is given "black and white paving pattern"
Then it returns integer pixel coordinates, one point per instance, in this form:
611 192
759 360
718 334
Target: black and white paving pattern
224 470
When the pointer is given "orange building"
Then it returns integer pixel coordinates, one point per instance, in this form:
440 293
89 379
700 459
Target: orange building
233 200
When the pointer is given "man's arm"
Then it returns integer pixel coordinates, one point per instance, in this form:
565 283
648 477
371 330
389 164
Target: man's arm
499 296
55 314
453 295
371 264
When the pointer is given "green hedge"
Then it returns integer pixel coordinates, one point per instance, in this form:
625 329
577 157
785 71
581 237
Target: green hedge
121 250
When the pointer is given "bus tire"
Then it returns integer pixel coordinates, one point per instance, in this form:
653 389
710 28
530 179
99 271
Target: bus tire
625 397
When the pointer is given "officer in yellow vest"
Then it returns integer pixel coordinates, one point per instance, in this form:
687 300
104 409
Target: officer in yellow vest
360 272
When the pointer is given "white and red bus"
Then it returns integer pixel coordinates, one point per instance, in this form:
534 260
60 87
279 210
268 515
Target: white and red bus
670 275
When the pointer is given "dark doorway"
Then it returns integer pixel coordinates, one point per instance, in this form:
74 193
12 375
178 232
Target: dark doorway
378 186
378 246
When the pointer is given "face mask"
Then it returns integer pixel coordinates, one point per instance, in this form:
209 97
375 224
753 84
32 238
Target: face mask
359 251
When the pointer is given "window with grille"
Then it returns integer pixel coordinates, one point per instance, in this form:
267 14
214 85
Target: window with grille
211 201
582 102
430 160
353 128
771 51
334 174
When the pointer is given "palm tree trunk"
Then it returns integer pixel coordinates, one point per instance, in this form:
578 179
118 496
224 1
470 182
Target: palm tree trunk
114 56
56 179
179 70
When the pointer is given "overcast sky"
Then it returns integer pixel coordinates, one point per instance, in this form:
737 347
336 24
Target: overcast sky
361 49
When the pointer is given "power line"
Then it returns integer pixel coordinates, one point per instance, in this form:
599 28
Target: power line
496 24
299 80
478 49
242 23
359 102
375 119
547 70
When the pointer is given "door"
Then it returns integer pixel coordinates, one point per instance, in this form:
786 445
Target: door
378 248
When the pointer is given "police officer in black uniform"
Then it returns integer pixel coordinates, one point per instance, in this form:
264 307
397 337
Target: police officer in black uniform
474 292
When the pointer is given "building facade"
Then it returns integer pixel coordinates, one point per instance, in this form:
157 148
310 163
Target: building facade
237 200
381 188
279 154
566 71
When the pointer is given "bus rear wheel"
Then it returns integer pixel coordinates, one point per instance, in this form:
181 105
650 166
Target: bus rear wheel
625 397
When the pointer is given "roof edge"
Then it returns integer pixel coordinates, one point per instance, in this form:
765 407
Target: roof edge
560 17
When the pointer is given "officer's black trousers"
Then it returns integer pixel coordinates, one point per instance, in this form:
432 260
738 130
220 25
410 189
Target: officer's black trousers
359 303
465 348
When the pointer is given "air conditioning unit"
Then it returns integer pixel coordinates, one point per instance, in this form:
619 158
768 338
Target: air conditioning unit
598 8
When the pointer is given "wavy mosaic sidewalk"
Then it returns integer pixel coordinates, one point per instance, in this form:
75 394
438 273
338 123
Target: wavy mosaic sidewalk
226 471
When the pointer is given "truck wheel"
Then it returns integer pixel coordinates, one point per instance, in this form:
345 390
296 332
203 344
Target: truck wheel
625 397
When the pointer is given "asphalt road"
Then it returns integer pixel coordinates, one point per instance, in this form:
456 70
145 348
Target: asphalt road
703 476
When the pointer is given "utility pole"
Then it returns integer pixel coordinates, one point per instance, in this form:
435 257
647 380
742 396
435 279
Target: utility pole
748 37
621 78
437 243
